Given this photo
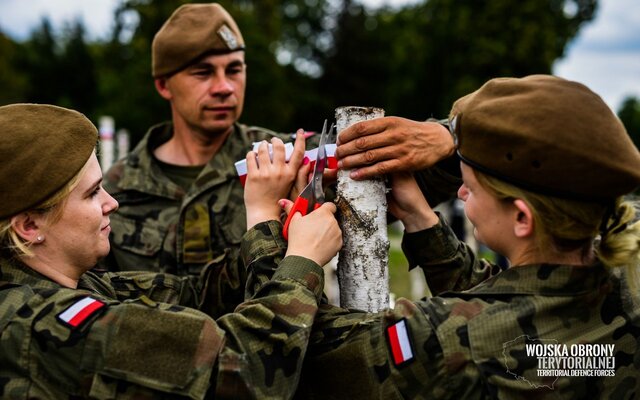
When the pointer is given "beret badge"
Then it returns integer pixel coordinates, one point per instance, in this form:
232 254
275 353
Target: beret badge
226 34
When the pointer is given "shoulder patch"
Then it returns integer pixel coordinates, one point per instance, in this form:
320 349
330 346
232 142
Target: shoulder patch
76 314
399 339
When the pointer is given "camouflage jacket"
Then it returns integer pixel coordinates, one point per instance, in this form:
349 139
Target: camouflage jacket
161 227
130 336
504 338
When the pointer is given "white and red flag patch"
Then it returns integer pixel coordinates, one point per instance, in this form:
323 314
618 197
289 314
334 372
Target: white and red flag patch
80 311
400 342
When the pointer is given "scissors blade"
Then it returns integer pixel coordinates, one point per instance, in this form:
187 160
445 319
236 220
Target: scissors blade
321 163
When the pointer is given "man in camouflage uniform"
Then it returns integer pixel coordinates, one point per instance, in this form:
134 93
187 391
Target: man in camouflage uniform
475 342
175 214
180 197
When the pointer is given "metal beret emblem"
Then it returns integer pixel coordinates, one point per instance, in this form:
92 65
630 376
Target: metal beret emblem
226 34
453 126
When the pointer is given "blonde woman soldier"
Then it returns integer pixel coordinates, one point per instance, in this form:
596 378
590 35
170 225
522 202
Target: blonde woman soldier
66 332
546 167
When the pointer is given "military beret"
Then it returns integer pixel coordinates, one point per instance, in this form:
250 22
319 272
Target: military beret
190 32
41 147
547 135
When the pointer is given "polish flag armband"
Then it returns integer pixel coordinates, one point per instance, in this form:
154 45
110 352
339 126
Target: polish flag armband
399 339
79 312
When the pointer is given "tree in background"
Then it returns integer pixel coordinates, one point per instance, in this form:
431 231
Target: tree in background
304 57
630 116
13 81
416 61
38 60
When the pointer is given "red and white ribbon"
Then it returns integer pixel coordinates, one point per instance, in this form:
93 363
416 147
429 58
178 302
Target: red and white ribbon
311 155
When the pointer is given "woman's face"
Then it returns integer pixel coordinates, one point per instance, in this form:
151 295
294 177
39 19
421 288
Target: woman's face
490 217
81 236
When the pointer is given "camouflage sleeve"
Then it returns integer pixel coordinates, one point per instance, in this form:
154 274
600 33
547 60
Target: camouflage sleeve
440 183
66 343
261 250
220 285
448 263
160 287
263 354
351 355
73 343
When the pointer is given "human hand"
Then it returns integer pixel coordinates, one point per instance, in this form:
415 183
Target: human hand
315 236
392 144
407 203
329 176
303 175
269 178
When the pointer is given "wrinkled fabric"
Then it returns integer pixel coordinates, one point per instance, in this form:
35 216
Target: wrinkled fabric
162 227
147 341
471 344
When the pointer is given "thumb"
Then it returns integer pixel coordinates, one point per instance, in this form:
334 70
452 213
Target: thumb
285 204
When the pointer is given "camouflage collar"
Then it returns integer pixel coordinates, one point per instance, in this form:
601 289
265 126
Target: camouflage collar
16 272
142 172
543 280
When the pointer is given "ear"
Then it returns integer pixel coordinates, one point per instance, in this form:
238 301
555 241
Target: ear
163 88
26 226
523 226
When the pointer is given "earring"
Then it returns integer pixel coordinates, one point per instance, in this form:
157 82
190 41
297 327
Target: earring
40 238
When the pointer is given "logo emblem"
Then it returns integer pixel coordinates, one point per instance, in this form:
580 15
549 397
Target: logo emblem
227 36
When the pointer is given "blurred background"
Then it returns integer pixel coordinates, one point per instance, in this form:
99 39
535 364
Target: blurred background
306 57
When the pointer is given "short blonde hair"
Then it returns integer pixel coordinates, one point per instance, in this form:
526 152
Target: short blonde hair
52 208
567 224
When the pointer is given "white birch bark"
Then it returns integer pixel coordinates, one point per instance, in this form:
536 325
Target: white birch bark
363 273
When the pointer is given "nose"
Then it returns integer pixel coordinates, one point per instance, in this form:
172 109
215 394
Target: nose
463 192
220 85
110 205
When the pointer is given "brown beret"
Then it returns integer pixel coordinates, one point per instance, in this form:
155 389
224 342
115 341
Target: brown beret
41 147
547 135
192 31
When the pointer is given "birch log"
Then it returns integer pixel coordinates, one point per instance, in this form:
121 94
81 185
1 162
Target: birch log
363 274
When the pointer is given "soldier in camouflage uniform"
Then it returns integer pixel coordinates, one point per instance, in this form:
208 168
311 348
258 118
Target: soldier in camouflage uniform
67 333
178 211
179 194
545 166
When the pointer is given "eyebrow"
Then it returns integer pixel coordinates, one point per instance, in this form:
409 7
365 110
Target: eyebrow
208 65
235 63
94 186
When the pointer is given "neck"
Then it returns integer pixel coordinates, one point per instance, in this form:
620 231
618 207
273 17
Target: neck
533 255
65 275
189 147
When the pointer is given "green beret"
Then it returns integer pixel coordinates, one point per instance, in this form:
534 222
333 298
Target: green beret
192 31
547 135
41 147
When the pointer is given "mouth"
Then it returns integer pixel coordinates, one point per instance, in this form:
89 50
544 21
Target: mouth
107 228
220 108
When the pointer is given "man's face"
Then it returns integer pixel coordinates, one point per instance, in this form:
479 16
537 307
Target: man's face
207 96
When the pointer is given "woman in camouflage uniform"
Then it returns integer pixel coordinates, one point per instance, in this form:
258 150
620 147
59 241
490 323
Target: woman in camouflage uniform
67 333
545 167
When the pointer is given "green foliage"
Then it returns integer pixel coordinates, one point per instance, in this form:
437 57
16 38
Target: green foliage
13 81
304 57
630 116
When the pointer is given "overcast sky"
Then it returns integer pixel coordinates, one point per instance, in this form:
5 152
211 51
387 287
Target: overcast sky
605 56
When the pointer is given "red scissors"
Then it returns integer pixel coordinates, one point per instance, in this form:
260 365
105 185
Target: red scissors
312 196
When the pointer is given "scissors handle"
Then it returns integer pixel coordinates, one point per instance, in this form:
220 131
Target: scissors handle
301 205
